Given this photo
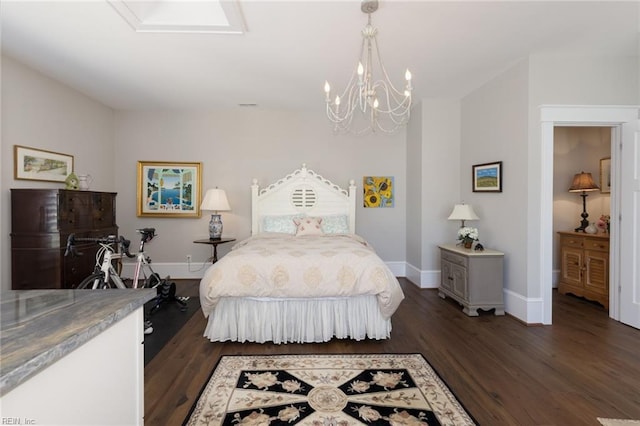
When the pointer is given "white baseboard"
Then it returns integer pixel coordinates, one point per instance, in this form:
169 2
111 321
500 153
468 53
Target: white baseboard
176 270
423 279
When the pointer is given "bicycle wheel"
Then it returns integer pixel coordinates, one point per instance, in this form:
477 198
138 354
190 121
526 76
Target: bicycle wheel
93 281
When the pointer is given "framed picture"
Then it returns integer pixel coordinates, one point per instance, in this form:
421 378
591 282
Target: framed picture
38 164
377 191
605 175
487 177
169 189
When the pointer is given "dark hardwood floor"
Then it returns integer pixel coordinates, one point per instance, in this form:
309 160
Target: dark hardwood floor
582 367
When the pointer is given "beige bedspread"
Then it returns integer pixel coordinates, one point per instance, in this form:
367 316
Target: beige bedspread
274 265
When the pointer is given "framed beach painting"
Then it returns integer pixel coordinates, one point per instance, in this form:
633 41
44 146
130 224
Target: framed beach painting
169 189
487 177
38 164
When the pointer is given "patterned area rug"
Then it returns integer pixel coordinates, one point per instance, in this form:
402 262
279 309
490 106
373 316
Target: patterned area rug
324 390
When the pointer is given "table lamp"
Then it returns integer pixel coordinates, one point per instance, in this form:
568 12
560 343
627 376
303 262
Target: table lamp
463 212
216 200
583 182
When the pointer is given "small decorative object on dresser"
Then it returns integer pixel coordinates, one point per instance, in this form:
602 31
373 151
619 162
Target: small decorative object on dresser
467 236
584 266
472 278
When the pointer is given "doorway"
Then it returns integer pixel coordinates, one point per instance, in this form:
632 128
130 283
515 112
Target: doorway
582 149
625 199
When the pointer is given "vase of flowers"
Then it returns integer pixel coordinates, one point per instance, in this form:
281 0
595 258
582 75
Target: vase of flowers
467 235
603 223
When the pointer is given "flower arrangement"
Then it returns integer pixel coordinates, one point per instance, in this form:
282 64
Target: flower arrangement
467 235
603 223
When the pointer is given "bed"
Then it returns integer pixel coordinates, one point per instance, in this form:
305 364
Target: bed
303 275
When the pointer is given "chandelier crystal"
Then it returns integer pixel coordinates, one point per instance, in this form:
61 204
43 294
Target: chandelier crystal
369 104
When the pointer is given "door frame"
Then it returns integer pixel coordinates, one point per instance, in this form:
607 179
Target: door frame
582 116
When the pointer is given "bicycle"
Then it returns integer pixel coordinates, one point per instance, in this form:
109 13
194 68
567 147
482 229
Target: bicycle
105 274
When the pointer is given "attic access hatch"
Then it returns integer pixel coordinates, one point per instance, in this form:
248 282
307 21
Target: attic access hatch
172 16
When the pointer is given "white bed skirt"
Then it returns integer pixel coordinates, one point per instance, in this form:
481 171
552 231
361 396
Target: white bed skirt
297 320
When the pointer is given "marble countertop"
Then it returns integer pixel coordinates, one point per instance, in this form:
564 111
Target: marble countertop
38 327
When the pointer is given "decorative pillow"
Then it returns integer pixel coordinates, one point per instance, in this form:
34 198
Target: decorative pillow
283 224
308 226
335 224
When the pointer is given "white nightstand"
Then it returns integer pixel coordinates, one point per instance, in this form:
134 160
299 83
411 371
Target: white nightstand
472 278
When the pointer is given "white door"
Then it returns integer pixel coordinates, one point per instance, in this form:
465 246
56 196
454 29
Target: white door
628 231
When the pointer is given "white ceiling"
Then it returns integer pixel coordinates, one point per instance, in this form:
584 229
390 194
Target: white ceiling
291 47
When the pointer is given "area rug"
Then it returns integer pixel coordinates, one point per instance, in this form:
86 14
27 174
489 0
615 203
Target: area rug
339 390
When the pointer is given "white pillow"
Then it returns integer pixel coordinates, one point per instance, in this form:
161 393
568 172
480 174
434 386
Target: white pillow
281 223
335 224
308 226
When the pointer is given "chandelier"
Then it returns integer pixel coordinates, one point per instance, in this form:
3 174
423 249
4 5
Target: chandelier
369 104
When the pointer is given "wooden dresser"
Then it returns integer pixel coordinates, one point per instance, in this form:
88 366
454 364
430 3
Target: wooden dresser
41 221
584 266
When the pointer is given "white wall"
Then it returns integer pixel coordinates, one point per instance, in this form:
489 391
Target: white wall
415 183
239 144
440 165
494 128
42 113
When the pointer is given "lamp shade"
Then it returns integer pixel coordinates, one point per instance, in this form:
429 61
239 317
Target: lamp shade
463 212
215 199
583 182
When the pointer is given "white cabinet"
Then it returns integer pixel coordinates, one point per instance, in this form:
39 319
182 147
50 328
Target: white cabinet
472 278
101 382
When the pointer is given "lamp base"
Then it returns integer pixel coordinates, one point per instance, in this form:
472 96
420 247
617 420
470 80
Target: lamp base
215 227
584 222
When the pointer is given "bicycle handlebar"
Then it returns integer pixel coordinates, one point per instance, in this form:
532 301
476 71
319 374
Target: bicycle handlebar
111 239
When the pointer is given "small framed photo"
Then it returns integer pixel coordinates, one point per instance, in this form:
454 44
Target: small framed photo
605 175
487 177
38 164
169 189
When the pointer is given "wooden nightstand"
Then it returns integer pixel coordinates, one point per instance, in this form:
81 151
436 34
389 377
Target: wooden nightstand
472 278
214 243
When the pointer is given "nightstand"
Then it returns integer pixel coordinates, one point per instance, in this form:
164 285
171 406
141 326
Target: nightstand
472 278
214 243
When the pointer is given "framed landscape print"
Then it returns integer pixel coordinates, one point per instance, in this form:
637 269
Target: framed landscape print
38 164
487 177
169 189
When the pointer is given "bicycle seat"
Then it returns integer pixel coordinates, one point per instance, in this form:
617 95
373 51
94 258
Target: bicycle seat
147 234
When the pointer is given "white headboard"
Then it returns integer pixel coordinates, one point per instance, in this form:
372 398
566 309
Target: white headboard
303 191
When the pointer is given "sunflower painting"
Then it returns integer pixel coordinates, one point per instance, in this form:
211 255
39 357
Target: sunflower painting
378 191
